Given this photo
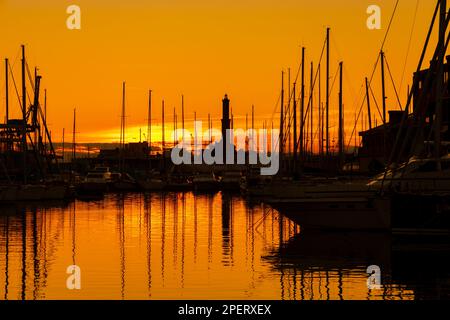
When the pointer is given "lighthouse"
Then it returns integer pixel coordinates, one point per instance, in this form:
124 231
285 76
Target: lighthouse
226 137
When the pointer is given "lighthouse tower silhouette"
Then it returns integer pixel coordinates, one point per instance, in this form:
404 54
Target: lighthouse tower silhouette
226 137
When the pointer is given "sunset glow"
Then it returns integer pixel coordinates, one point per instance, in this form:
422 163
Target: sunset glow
202 49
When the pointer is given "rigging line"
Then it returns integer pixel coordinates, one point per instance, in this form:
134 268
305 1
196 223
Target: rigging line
314 82
390 24
314 86
30 77
16 58
352 90
309 102
320 61
296 78
315 77
393 84
376 103
15 87
409 44
376 63
422 57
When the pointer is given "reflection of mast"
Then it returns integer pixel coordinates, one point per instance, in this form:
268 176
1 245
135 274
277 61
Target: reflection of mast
175 230
7 258
24 254
327 284
210 226
121 220
35 255
226 226
195 223
340 285
183 234
148 224
163 234
73 235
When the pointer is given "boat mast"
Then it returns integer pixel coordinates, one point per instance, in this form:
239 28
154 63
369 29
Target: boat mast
288 112
24 118
162 128
63 145
319 117
182 115
149 121
383 86
174 127
302 105
440 82
327 97
7 90
209 128
341 118
253 124
368 104
45 121
281 119
295 125
311 110
73 136
122 130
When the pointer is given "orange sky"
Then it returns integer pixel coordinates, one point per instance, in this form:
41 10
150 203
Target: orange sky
202 49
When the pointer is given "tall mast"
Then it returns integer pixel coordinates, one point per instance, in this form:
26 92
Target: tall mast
45 121
253 117
440 81
253 126
122 133
73 135
174 126
288 111
209 128
368 104
7 90
163 142
24 117
149 121
319 118
195 134
63 144
383 86
341 119
295 125
122 129
302 105
327 97
311 110
246 122
281 143
182 115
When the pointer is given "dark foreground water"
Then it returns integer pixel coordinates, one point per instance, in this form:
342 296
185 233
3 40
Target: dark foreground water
181 246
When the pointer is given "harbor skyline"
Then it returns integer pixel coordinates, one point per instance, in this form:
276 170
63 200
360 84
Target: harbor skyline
201 50
266 150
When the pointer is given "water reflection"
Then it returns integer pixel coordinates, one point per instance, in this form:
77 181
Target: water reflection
177 245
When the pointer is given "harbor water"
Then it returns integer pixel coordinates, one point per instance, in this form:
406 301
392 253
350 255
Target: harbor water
200 246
